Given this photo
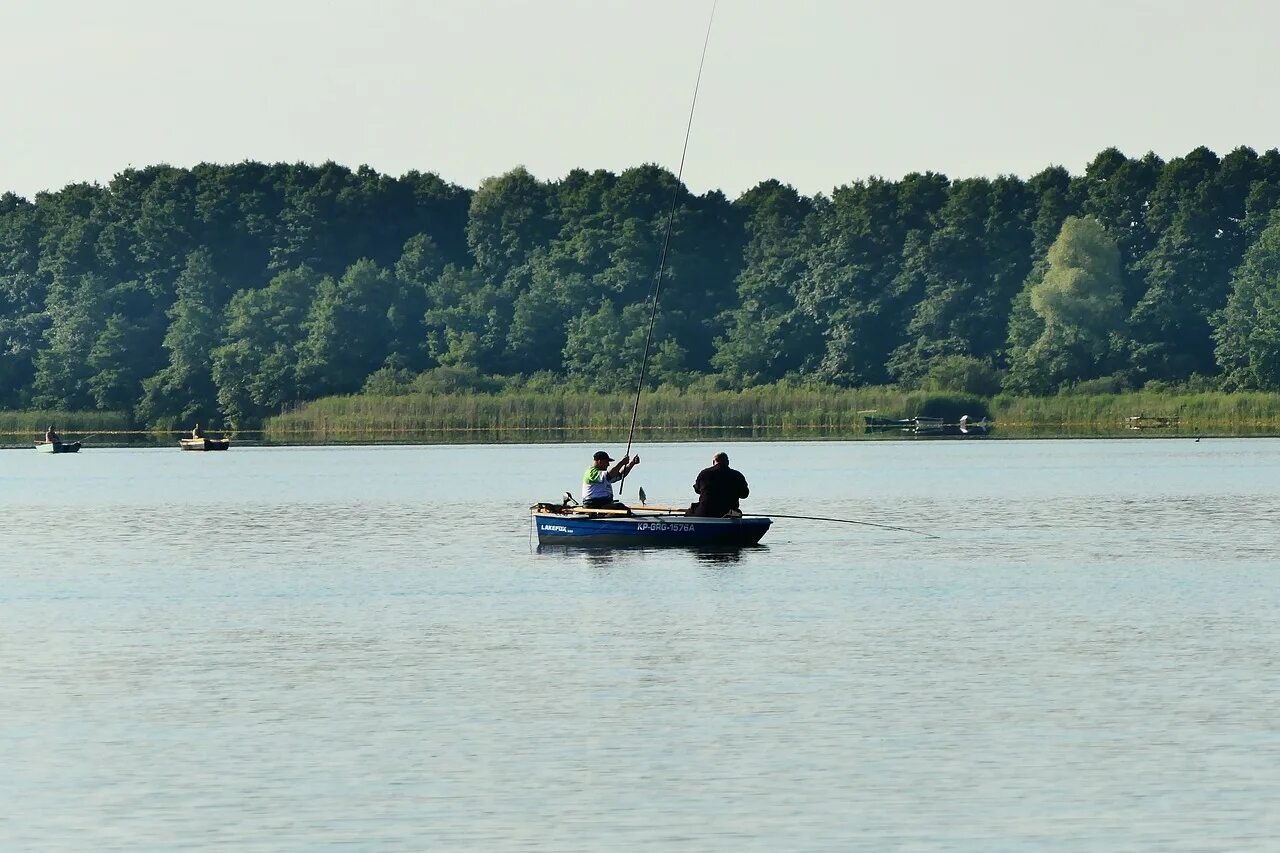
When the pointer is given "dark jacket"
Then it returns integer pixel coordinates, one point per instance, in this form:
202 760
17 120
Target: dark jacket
719 489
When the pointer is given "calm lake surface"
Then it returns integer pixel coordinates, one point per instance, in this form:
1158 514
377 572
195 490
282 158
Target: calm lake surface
359 647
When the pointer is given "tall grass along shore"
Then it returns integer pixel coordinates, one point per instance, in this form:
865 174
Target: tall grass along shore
766 412
22 427
763 412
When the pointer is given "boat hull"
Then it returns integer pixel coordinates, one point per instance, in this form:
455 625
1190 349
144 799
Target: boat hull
58 447
649 530
204 443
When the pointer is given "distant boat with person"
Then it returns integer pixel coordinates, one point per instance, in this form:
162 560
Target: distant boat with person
53 443
647 526
199 441
203 443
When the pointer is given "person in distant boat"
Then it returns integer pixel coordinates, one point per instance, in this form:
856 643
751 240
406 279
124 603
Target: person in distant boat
197 432
719 489
597 483
51 437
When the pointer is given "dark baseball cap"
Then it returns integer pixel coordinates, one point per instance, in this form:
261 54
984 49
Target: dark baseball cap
600 454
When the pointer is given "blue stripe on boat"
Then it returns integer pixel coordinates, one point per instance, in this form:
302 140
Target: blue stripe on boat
555 528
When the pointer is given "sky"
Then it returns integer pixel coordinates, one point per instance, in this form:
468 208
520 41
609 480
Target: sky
814 93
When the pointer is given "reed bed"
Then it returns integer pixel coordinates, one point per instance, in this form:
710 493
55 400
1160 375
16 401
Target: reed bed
1214 411
763 412
32 424
755 409
756 412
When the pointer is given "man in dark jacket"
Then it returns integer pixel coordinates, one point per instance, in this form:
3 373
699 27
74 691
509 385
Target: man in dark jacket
719 489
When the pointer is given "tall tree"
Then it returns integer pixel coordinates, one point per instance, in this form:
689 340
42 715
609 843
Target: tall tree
858 285
604 350
510 216
62 369
468 320
348 331
1197 207
558 290
22 299
421 263
1263 197
116 367
972 266
1116 191
1247 330
183 391
1079 305
767 336
256 368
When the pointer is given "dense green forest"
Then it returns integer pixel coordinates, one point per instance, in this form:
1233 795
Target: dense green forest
227 293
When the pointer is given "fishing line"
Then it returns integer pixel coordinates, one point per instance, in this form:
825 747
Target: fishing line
666 242
842 521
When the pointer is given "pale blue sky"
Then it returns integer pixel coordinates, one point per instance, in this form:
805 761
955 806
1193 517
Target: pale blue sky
813 92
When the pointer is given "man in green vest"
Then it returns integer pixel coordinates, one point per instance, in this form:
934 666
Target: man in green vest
597 483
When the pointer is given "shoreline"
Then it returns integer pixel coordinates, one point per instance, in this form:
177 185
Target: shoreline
760 413
523 437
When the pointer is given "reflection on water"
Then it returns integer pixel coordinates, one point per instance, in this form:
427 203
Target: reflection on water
308 647
604 555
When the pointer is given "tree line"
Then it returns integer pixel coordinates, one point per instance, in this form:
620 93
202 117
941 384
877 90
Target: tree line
227 293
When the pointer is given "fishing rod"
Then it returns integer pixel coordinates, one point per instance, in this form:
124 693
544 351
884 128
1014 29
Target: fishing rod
666 243
665 508
841 521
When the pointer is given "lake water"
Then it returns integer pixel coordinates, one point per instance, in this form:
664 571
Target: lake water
312 648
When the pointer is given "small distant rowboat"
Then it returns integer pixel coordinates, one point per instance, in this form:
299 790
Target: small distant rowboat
558 525
58 446
875 423
1151 422
204 443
